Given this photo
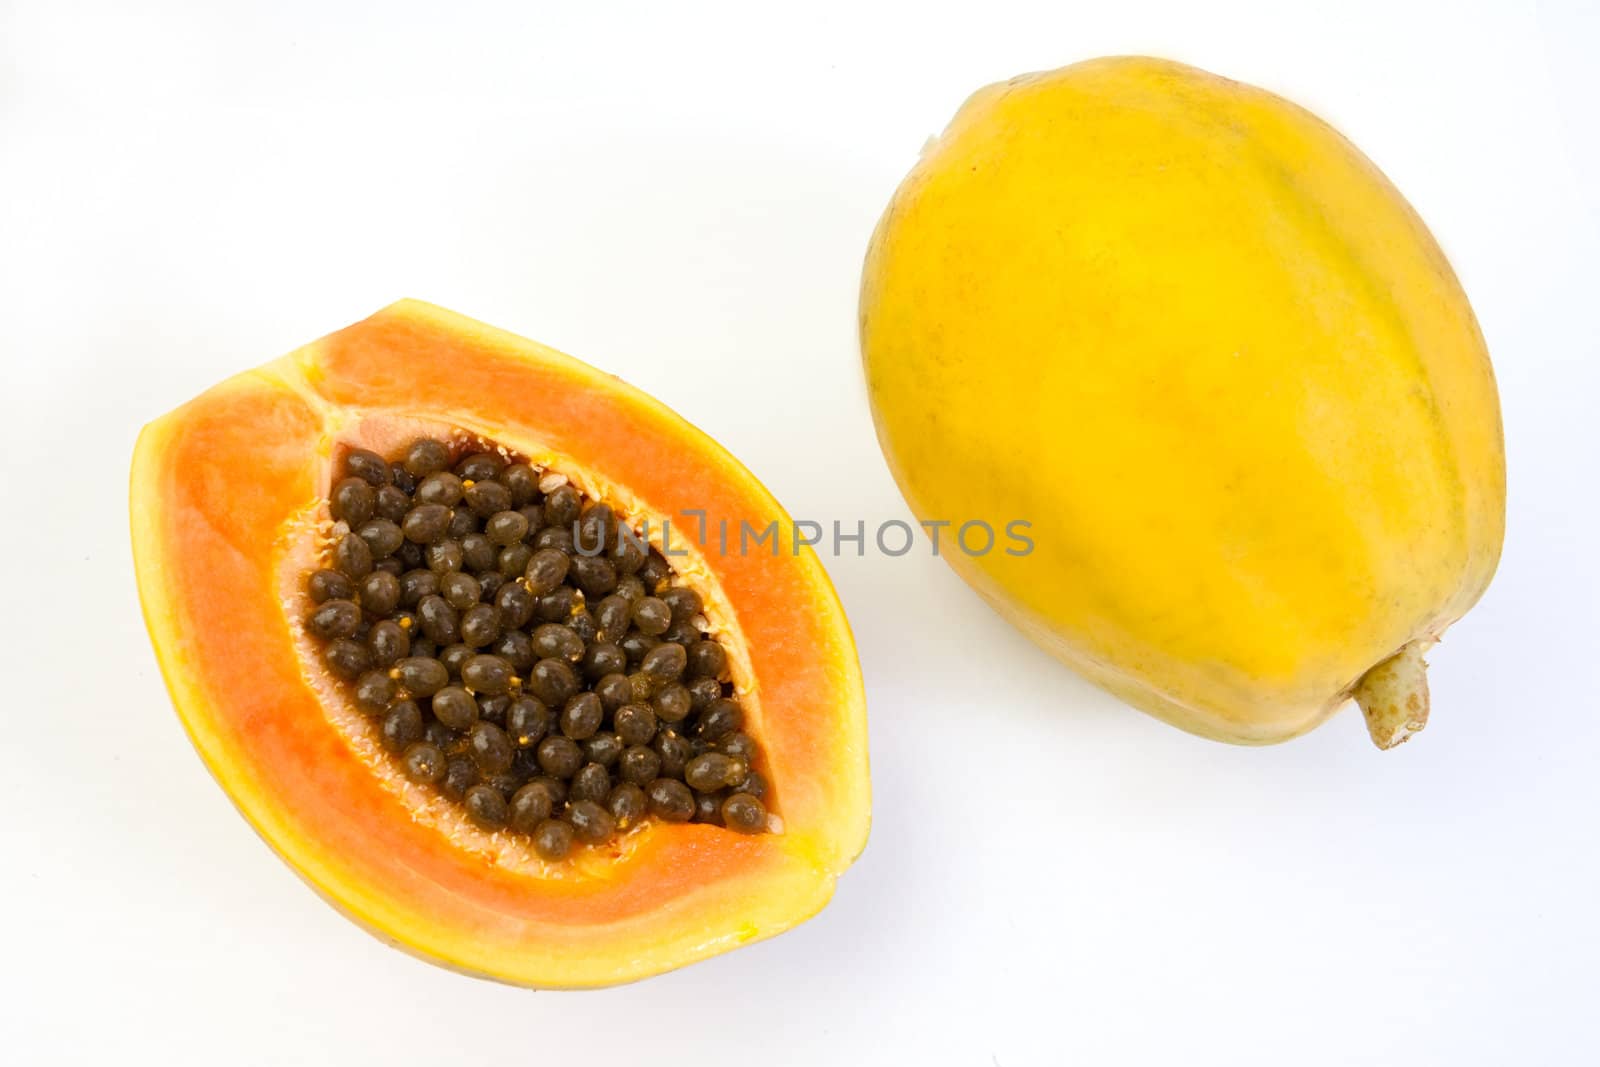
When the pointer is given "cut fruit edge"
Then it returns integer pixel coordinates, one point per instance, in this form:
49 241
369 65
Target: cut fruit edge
218 553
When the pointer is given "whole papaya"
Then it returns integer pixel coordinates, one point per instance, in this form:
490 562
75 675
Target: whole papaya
1201 345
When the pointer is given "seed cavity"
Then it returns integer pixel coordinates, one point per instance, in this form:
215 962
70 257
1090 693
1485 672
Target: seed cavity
525 654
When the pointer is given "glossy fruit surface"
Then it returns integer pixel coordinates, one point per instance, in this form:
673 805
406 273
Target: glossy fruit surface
1196 340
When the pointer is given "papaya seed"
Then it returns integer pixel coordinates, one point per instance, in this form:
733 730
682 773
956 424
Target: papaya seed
555 694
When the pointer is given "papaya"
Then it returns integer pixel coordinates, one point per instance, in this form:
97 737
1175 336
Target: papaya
1199 344
231 511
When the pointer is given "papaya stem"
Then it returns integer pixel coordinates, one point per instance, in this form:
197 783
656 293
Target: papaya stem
1394 696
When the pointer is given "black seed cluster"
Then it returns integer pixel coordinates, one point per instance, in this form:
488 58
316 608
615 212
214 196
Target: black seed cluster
526 654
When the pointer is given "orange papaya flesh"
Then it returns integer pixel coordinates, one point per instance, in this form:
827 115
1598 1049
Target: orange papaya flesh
229 513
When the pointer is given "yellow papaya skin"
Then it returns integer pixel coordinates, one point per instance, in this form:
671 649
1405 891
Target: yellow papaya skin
1195 339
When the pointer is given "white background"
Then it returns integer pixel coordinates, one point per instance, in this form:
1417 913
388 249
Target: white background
683 197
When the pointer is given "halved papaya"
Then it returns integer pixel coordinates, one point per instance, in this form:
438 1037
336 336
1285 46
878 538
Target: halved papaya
229 503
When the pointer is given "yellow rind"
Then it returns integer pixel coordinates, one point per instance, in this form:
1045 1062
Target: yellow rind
1198 340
